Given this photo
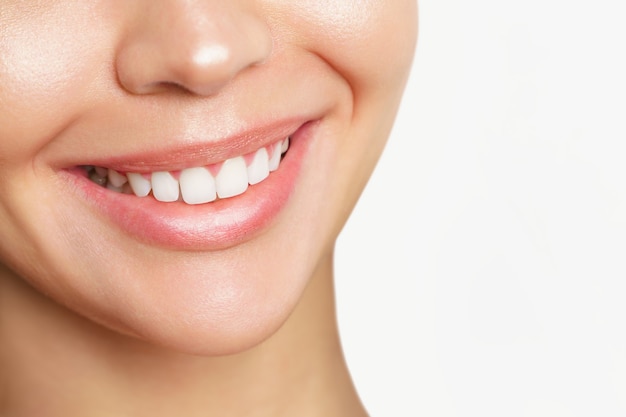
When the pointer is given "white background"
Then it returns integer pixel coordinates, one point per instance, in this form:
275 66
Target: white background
482 273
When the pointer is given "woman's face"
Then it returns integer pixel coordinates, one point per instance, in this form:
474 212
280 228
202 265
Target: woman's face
104 101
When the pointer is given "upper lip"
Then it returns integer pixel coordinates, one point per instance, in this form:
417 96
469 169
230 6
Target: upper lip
186 153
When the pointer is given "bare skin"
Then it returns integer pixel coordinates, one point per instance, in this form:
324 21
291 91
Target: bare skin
78 366
115 302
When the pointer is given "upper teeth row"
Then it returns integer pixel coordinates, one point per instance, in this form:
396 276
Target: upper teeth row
197 185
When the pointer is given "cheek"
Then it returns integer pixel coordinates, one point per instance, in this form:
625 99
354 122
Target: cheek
45 57
369 42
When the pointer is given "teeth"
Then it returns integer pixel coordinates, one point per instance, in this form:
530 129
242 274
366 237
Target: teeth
141 186
285 146
197 186
275 159
98 179
233 178
259 168
116 179
164 187
101 171
114 188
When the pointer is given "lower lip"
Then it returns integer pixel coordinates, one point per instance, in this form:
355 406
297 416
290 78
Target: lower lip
213 226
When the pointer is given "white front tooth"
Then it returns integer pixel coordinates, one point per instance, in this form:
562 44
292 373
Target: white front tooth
233 178
197 185
164 187
141 186
116 179
259 168
275 159
284 146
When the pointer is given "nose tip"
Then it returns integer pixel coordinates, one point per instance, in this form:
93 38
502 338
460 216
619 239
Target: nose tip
199 53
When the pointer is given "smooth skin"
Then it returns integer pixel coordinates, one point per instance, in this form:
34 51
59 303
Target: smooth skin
94 321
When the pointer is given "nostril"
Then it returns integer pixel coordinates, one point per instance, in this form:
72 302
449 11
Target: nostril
198 49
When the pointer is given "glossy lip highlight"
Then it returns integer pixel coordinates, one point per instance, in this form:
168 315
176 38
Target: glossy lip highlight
213 226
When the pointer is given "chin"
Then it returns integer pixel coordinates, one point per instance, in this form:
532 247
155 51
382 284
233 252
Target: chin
196 302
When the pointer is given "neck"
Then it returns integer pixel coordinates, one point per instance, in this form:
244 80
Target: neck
70 365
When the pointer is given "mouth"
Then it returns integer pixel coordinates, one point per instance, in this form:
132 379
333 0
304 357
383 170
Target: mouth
175 200
198 184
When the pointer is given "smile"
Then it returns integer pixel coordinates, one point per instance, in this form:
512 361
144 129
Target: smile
173 199
196 185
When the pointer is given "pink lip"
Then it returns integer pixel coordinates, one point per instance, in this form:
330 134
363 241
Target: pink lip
194 153
212 226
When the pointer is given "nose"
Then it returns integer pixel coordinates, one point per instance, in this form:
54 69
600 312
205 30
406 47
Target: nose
195 45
